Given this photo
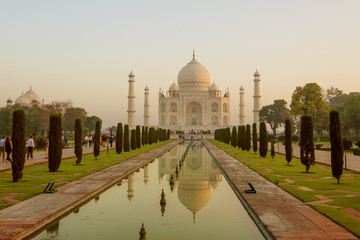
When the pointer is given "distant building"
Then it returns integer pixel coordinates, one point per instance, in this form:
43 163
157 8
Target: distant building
29 99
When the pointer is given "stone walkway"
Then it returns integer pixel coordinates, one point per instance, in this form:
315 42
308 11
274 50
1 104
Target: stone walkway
324 157
39 157
26 217
282 214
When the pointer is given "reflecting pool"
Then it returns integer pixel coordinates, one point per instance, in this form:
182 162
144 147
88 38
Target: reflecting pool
200 204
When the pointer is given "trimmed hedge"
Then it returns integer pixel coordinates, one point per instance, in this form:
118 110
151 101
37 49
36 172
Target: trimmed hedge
133 139
126 138
119 138
307 154
138 139
18 141
248 138
288 142
254 135
263 140
234 137
337 150
97 139
55 142
78 141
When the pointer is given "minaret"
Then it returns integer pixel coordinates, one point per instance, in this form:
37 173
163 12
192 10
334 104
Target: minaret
242 107
131 101
257 97
146 107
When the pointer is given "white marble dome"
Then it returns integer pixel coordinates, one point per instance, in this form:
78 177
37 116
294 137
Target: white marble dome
174 88
214 88
22 100
193 77
31 95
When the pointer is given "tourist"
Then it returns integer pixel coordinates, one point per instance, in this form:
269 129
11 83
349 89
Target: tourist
90 140
111 139
86 139
31 146
8 148
65 140
2 148
47 147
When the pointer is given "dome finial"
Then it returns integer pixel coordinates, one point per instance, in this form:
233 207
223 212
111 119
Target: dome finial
193 53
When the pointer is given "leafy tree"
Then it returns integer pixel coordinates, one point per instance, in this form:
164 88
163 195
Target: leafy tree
248 138
272 150
90 123
275 114
234 137
38 120
138 139
321 122
78 140
263 139
126 138
70 115
255 143
288 143
307 154
337 150
119 138
351 115
133 139
55 142
6 120
334 96
18 141
97 139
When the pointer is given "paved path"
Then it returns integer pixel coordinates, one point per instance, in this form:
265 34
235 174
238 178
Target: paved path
39 157
24 218
324 157
283 215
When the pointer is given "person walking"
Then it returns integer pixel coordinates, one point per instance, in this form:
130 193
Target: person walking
31 146
2 148
8 148
47 147
90 140
86 140
111 139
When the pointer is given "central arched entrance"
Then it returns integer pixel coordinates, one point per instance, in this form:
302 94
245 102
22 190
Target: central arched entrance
194 114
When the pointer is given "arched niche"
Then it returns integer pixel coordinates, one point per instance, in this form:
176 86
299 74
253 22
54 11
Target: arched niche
194 113
214 107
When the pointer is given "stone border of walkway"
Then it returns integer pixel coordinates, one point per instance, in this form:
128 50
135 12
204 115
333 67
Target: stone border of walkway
283 215
24 219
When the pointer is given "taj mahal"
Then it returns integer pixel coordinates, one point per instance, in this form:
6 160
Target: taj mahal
193 103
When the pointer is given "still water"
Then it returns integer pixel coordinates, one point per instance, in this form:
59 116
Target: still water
200 204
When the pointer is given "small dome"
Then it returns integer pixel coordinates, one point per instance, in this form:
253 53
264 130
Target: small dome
9 100
131 74
146 88
194 77
174 88
214 88
22 100
256 74
31 95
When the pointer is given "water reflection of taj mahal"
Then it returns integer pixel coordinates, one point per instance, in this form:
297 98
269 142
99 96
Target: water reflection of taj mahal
197 174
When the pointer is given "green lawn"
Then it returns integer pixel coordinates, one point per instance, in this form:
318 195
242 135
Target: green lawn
36 177
344 195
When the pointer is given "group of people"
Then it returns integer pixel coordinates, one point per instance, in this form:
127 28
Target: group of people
5 146
88 140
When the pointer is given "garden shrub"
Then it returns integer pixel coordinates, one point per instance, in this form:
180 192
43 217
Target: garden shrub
347 144
318 146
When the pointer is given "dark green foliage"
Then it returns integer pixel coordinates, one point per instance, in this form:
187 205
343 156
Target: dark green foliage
142 135
168 134
318 146
263 140
97 139
248 138
254 135
133 139
307 154
227 135
151 135
347 144
288 142
18 141
119 138
146 141
156 135
40 143
78 140
126 138
356 151
234 137
138 139
337 150
217 134
243 137
295 138
358 143
272 150
55 142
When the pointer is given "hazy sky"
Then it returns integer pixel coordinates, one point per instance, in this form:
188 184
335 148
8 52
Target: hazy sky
84 50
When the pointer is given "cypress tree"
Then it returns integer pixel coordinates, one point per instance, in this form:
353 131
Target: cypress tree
263 140
234 137
243 138
133 139
248 138
138 140
239 137
288 143
126 138
97 139
337 149
151 135
156 135
55 143
18 141
255 143
78 140
146 135
168 134
143 135
307 154
119 138
272 150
